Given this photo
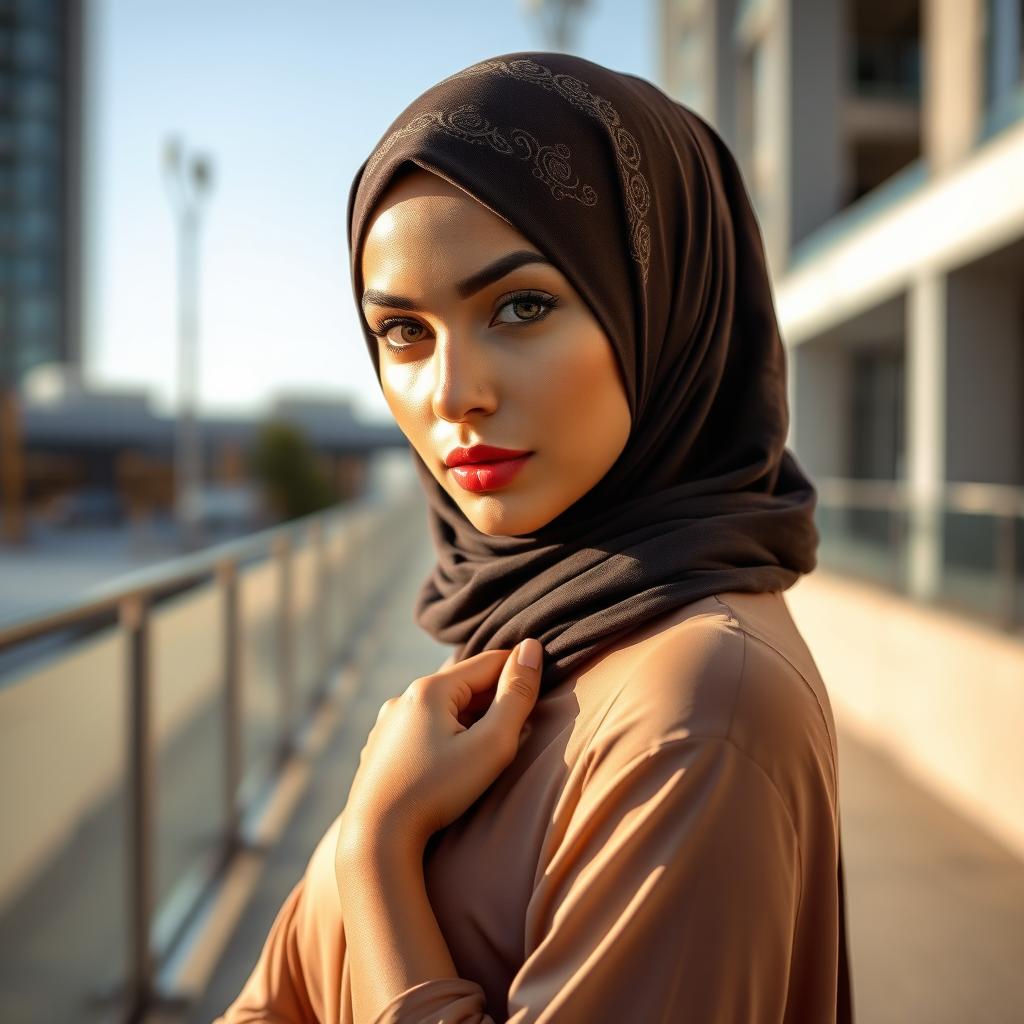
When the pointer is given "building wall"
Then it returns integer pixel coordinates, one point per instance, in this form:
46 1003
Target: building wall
890 196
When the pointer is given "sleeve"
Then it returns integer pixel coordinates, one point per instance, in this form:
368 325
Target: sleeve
275 992
672 895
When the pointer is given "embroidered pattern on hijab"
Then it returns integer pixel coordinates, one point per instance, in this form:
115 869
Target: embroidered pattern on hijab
550 163
627 153
705 497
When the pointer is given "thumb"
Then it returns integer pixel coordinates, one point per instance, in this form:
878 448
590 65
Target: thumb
516 693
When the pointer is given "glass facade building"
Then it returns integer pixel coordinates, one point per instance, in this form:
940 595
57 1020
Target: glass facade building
40 160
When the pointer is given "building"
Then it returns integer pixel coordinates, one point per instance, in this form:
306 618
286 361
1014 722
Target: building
882 142
40 183
41 119
110 444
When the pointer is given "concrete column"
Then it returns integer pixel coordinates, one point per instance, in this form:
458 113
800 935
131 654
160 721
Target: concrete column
926 429
722 73
763 142
953 79
816 85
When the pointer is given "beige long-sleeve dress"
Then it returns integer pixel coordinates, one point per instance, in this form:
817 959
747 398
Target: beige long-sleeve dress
663 848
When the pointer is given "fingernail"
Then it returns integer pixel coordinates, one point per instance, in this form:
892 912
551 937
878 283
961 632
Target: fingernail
529 653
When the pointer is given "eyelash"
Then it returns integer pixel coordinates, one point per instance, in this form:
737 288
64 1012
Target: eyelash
544 299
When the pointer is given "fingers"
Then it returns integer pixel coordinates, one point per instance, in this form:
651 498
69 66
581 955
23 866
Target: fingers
479 672
518 689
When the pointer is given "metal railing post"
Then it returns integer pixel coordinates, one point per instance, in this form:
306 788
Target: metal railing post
1006 560
285 648
336 618
316 536
134 616
227 578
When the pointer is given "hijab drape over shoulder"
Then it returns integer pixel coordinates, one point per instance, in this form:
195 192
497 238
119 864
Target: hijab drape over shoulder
640 204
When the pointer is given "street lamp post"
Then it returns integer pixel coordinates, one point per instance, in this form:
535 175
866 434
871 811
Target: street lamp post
188 182
559 20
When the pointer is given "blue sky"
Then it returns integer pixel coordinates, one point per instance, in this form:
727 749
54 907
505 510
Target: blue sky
288 97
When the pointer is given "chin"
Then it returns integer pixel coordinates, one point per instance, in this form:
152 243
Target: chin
495 515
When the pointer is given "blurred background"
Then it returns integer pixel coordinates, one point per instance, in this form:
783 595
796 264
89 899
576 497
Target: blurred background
210 534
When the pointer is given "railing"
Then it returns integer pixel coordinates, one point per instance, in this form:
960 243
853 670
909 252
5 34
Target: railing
352 554
974 533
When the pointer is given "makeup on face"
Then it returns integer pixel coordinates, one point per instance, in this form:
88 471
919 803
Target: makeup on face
479 338
488 476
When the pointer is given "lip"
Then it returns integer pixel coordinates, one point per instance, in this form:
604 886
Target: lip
480 453
488 476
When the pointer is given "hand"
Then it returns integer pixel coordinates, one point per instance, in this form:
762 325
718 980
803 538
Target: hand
429 756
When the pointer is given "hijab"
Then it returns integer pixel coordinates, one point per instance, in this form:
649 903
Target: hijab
640 204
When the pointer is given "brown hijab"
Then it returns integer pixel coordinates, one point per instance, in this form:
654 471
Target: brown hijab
640 204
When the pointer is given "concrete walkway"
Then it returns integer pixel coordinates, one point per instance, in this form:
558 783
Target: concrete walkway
936 908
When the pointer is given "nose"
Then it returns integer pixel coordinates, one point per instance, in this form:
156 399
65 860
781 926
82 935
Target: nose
463 376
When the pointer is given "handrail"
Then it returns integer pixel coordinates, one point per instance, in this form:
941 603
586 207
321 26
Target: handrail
129 601
909 508
165 575
955 496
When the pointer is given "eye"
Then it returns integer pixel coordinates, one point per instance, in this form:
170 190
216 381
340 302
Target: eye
400 334
525 307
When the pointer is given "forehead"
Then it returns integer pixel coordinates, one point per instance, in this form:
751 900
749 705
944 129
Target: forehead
422 221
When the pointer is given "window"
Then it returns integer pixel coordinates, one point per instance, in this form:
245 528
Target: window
1004 50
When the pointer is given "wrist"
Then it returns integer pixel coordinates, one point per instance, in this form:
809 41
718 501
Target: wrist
368 839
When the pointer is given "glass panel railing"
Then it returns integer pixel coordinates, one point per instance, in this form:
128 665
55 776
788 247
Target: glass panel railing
130 764
862 542
973 562
188 733
305 609
983 564
261 702
63 936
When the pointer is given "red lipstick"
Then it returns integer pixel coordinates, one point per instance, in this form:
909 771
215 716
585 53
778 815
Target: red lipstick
484 467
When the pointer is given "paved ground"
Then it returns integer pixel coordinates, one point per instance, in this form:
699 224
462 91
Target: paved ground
936 906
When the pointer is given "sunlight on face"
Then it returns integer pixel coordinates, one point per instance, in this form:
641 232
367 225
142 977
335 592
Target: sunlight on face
482 341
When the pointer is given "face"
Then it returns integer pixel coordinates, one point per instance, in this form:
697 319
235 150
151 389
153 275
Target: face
482 341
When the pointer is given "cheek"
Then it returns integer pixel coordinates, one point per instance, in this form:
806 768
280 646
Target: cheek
583 395
409 408
399 384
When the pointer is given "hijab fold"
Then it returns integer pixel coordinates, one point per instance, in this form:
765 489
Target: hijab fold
640 204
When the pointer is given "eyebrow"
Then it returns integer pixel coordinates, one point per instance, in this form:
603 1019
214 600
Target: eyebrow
470 286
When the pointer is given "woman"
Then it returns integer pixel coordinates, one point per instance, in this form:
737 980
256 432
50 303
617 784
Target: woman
638 820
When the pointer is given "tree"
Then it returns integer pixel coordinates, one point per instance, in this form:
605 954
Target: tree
284 462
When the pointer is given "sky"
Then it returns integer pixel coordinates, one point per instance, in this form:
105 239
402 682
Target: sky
286 97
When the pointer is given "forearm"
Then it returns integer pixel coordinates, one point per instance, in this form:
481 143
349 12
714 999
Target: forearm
392 937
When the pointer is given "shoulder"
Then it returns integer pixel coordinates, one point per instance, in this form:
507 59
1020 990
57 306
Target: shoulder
737 672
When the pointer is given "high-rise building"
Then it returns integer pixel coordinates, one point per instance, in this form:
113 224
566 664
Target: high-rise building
40 192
